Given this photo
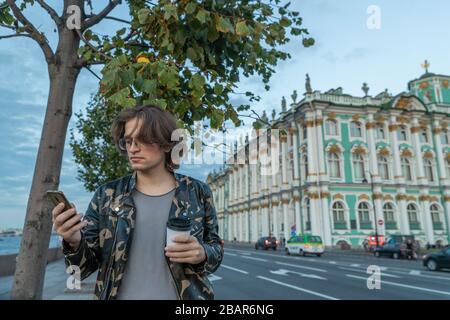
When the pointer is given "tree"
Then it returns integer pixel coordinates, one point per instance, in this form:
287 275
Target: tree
183 55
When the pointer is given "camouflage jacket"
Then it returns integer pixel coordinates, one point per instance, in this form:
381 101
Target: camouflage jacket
107 238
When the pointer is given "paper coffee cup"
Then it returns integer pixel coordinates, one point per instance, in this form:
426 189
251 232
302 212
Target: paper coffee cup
176 226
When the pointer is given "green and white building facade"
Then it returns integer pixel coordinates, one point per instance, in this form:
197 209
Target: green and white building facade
349 167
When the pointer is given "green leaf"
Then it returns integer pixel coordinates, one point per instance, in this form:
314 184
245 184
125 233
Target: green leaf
242 29
190 8
285 22
191 54
201 16
143 15
218 88
149 86
223 25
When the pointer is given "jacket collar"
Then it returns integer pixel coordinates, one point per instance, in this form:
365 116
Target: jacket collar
180 202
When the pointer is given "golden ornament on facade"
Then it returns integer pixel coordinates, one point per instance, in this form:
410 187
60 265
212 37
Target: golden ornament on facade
370 125
445 84
319 122
384 152
388 197
424 198
437 130
356 117
401 197
415 129
332 116
292 130
363 197
402 119
402 103
359 150
411 198
424 85
334 149
428 154
392 127
444 125
434 199
310 123
285 201
377 196
447 198
338 196
406 153
380 120
324 194
447 156
296 198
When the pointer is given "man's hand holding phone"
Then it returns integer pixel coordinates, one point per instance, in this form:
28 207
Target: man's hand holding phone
67 224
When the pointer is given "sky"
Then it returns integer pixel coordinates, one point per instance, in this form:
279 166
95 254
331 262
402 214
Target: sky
346 54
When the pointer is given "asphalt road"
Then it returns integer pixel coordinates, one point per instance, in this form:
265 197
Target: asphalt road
247 273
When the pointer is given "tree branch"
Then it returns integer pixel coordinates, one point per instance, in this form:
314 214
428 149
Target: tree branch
90 45
100 16
51 12
33 32
15 35
111 18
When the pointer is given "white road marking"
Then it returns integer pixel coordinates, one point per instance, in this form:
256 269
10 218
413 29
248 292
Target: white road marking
383 274
415 272
404 285
301 267
355 265
298 288
234 269
213 277
332 262
253 258
230 254
284 272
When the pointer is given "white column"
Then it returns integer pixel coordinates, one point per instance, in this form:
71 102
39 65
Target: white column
326 222
373 165
287 231
447 209
402 212
310 148
319 145
254 226
294 133
439 155
415 129
426 220
395 150
381 230
276 228
298 224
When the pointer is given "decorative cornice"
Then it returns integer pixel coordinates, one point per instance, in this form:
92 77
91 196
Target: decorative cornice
356 117
401 197
447 198
428 154
392 127
415 129
377 196
437 130
363 197
332 116
424 197
338 196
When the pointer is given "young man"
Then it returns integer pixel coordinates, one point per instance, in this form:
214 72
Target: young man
123 233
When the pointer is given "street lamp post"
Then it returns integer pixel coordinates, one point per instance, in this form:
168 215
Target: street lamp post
373 206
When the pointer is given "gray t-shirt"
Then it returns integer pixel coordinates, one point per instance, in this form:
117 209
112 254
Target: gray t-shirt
147 275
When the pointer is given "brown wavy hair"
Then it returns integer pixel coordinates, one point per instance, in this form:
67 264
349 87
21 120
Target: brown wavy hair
157 126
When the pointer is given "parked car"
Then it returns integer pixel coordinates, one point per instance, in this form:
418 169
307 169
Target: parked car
438 260
395 246
266 243
305 244
370 243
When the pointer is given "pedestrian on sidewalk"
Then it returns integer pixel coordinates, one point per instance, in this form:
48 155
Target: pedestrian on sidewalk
123 233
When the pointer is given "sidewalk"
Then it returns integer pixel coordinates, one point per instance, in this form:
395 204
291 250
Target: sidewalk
55 285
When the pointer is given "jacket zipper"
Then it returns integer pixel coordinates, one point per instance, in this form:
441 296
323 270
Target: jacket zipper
108 272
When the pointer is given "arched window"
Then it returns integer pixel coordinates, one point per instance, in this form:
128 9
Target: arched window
358 166
423 136
334 165
383 167
406 168
447 168
363 213
380 132
355 129
401 133
331 127
413 216
428 167
444 137
436 216
338 212
388 212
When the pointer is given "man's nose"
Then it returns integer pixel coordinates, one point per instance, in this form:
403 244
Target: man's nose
134 147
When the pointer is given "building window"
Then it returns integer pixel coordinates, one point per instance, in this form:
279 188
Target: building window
447 168
428 166
444 137
363 213
412 214
355 129
305 166
406 168
388 212
380 132
423 136
383 167
334 165
331 128
435 214
358 166
305 132
401 133
338 213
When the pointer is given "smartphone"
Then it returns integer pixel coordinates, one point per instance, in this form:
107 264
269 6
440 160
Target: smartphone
57 197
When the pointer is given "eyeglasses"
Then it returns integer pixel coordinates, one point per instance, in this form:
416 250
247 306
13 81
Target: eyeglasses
126 143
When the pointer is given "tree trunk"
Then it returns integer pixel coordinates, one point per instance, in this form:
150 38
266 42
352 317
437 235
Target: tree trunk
32 260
